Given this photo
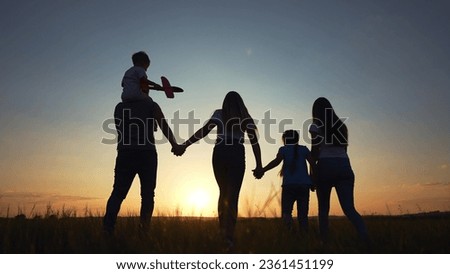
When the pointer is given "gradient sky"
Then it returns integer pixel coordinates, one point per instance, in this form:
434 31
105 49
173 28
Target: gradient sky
383 64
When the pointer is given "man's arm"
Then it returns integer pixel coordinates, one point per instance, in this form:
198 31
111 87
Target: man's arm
166 130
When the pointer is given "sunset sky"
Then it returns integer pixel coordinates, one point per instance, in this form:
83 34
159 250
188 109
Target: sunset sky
384 65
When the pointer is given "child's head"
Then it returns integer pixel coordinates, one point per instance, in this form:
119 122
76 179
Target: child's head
290 137
141 59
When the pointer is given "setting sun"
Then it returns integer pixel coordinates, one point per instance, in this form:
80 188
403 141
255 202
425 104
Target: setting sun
199 200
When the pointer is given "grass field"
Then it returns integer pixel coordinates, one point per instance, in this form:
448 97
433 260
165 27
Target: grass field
174 235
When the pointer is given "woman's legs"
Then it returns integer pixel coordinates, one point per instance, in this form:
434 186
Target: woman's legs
323 192
229 168
344 190
337 172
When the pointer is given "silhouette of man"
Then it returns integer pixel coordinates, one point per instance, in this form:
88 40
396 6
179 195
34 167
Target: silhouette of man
136 154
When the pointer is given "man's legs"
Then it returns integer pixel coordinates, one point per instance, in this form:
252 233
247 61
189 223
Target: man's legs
147 175
124 173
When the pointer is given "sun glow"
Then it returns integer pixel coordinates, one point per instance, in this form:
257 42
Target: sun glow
199 200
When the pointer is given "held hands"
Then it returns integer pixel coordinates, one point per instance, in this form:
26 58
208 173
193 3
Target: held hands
258 172
178 150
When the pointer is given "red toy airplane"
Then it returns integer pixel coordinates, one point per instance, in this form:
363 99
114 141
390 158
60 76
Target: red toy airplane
167 88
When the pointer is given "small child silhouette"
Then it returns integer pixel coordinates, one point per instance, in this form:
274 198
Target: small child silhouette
135 84
296 181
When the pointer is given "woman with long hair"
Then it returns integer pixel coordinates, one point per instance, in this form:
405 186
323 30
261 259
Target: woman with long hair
329 136
228 160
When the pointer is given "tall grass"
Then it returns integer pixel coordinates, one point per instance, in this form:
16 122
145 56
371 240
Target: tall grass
66 233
